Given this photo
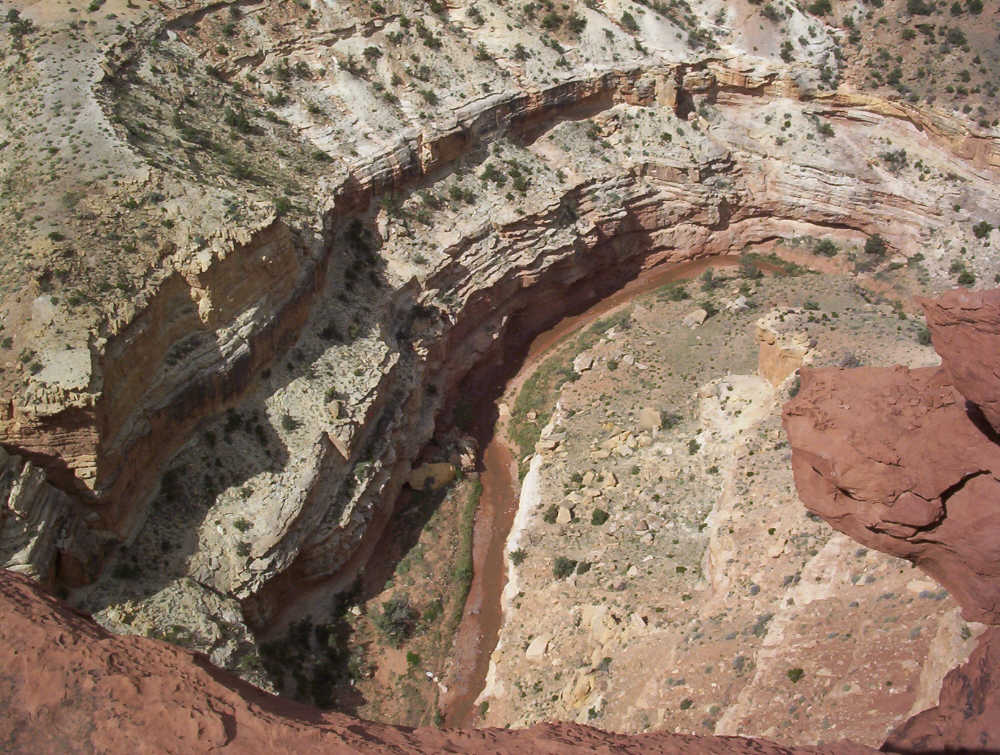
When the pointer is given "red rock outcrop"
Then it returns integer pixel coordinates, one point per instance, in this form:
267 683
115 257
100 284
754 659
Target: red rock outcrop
967 718
891 457
907 461
965 328
66 685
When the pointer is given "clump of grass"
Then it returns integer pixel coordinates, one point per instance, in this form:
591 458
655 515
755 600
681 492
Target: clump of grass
462 575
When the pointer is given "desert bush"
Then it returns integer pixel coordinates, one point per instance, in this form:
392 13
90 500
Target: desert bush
826 248
562 567
982 229
875 245
397 619
919 7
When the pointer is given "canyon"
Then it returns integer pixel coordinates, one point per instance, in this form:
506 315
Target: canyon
280 261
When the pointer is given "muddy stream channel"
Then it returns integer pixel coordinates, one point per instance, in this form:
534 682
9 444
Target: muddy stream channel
479 629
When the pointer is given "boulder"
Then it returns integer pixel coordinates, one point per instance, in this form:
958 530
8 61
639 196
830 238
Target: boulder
694 318
582 362
965 331
649 418
434 475
782 347
538 646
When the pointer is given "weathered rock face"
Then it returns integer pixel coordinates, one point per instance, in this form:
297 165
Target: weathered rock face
915 480
893 458
965 328
38 522
965 719
67 685
903 460
783 348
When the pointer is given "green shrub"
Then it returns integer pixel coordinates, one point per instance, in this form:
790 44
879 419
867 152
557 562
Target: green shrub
895 160
563 567
242 524
794 674
749 269
826 248
708 280
982 229
599 517
669 420
919 7
517 556
924 336
549 517
397 619
875 245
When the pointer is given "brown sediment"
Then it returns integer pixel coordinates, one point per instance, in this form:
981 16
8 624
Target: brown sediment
479 630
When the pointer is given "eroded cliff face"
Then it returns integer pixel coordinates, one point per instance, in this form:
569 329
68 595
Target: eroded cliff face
917 481
230 342
205 333
904 460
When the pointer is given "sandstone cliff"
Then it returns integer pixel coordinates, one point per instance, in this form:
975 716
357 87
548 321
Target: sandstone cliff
268 306
247 270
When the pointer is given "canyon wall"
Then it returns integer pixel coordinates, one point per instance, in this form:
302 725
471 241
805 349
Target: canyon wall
206 332
69 685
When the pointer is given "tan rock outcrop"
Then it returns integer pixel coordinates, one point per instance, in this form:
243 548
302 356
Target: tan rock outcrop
783 346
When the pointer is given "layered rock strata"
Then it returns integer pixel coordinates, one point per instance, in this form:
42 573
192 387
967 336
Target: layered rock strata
303 257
